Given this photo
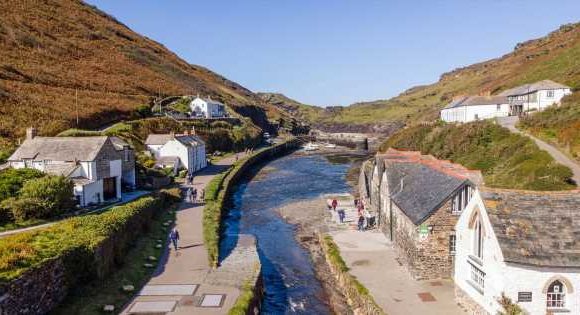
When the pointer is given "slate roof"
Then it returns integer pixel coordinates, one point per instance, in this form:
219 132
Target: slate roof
536 228
118 143
161 139
64 169
477 100
533 87
59 148
421 184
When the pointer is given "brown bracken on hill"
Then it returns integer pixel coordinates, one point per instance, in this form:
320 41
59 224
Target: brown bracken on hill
57 54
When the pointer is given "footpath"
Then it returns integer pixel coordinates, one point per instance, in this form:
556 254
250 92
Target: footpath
183 282
510 123
371 258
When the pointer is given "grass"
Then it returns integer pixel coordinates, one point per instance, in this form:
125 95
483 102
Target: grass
334 256
245 299
559 125
506 160
23 224
90 299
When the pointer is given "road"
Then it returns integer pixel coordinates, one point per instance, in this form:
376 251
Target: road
510 123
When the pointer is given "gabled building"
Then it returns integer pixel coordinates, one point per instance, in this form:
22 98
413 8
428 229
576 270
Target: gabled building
178 151
535 96
98 166
208 108
418 199
523 244
472 108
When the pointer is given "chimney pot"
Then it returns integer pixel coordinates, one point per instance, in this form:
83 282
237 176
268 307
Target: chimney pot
31 133
193 130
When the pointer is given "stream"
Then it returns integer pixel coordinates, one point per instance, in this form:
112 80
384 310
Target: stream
291 286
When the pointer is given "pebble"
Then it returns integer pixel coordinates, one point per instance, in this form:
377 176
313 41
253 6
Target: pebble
152 258
158 246
109 308
148 265
128 288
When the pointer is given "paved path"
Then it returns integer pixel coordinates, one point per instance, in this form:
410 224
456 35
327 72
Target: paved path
170 289
510 123
127 197
373 261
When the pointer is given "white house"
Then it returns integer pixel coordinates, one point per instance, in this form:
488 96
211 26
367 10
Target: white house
98 166
522 244
207 107
535 96
187 151
471 108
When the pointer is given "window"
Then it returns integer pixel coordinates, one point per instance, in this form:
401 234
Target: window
477 278
556 298
550 94
498 107
461 199
478 239
452 243
524 296
126 153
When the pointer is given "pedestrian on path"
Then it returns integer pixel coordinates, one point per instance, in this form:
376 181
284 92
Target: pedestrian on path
361 223
334 204
341 215
194 195
188 194
202 195
174 237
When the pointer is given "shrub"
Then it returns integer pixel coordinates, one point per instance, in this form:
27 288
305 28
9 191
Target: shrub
182 174
23 209
11 180
171 195
219 140
53 194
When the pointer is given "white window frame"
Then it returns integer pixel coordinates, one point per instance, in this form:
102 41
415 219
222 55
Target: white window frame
556 300
478 239
550 94
452 243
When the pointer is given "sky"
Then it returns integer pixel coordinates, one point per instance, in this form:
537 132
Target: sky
337 52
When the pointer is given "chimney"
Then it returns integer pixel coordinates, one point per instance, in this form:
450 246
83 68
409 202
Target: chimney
172 134
31 133
193 130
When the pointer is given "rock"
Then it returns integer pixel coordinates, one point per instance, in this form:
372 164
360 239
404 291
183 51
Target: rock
165 224
109 308
128 288
152 258
148 265
158 246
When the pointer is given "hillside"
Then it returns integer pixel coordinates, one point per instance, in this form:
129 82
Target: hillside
63 57
507 160
555 56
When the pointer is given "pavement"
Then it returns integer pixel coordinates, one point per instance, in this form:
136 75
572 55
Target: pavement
372 259
183 282
510 123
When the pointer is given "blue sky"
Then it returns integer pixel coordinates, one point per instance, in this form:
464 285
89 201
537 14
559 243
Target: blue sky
336 52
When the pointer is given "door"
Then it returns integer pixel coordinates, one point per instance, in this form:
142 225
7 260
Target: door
110 188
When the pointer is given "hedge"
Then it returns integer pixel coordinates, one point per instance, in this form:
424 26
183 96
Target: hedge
79 240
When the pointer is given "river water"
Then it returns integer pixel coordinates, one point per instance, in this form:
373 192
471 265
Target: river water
289 279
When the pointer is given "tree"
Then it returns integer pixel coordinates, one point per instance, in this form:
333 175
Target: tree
54 195
509 306
11 180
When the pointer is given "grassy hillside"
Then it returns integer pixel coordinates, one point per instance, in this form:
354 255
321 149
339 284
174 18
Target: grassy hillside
506 160
555 56
558 124
55 54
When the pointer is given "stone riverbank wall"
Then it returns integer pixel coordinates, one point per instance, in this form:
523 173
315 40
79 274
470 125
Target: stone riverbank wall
358 297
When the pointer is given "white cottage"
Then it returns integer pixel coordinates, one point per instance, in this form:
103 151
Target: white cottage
522 244
536 96
98 166
178 151
471 108
208 108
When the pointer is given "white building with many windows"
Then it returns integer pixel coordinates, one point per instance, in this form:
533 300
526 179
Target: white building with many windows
208 108
522 244
535 96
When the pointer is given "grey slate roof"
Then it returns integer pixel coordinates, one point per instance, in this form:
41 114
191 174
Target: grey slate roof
118 143
477 100
536 228
161 139
59 148
64 169
419 190
533 87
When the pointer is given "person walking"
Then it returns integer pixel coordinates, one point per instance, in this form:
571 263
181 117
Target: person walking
174 237
341 215
188 194
202 195
334 204
361 222
194 195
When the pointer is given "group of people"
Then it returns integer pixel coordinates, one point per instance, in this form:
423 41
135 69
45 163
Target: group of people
191 195
365 219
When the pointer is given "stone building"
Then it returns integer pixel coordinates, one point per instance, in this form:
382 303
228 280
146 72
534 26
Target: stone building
523 244
418 199
98 166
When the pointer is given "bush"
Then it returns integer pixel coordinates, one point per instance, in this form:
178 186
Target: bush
54 195
23 209
182 174
219 140
11 180
171 195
